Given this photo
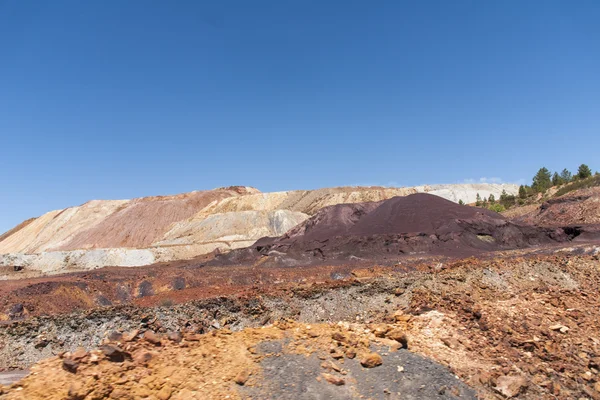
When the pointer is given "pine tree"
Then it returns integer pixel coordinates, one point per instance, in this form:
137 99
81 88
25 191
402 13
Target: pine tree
484 203
492 199
542 180
503 195
566 176
462 203
584 171
522 192
557 180
478 200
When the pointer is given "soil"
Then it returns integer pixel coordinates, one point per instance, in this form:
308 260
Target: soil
398 228
526 321
286 360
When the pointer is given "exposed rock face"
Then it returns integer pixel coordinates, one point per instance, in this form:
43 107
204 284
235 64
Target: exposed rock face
578 207
153 229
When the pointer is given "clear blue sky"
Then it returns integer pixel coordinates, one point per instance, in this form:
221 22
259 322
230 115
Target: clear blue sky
120 99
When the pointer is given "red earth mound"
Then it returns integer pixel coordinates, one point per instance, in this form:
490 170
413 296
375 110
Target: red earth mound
401 226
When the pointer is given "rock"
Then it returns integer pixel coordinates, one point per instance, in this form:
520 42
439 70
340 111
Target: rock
334 380
559 327
130 336
511 385
152 337
337 354
597 386
331 366
115 336
79 354
371 360
70 365
399 336
339 337
175 337
114 353
380 330
242 377
350 353
399 316
40 344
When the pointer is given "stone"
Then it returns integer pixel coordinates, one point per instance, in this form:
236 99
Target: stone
339 337
371 360
242 377
350 353
334 380
130 336
380 330
152 337
511 385
337 355
115 336
175 337
79 354
399 336
114 353
70 365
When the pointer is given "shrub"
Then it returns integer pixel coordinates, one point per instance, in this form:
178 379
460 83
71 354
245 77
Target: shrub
497 207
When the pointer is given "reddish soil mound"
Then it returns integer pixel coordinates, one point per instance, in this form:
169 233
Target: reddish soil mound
415 224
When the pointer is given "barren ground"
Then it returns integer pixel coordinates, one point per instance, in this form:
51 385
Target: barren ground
512 322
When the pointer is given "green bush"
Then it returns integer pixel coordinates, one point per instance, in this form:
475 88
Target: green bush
497 207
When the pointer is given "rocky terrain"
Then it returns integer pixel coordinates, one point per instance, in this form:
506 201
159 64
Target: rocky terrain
512 325
390 230
165 228
396 297
579 207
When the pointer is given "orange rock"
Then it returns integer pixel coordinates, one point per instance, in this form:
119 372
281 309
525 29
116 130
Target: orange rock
371 360
334 380
242 377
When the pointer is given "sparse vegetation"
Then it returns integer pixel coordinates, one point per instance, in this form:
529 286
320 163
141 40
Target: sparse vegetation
543 180
579 184
497 207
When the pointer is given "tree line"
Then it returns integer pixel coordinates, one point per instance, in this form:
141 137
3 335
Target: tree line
542 181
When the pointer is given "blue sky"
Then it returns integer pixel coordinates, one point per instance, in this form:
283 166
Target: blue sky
120 99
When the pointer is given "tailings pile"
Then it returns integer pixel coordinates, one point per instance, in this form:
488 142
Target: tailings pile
415 225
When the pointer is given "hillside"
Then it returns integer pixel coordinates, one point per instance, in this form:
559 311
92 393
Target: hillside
163 228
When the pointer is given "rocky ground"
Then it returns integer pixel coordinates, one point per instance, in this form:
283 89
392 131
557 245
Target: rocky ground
519 325
518 318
